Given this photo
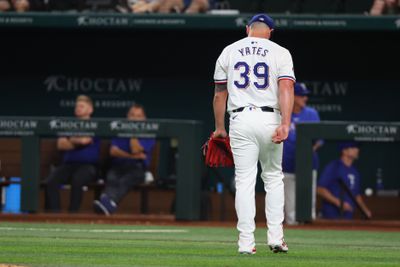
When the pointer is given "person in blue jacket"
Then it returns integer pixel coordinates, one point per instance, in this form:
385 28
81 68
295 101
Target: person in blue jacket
130 160
301 113
332 193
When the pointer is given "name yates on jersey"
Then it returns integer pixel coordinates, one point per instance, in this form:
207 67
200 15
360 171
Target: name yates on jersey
253 50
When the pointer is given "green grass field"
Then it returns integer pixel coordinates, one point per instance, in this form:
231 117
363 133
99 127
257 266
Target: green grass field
78 245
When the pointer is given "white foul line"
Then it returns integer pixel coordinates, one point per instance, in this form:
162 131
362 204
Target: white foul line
94 230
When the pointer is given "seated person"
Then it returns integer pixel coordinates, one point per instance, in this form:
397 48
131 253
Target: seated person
301 113
330 189
20 5
5 5
385 7
170 6
198 6
81 155
130 159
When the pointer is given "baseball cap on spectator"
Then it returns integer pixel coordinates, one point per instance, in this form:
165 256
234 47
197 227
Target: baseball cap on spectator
264 18
300 89
348 144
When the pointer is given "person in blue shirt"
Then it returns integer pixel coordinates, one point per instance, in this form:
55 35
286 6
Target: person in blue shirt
301 113
170 6
79 167
330 190
130 160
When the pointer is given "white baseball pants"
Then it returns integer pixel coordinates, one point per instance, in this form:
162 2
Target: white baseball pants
251 133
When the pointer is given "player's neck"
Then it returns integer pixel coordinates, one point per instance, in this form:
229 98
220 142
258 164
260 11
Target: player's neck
259 34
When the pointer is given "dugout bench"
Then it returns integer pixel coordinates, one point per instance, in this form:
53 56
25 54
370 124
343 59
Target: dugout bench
52 157
187 132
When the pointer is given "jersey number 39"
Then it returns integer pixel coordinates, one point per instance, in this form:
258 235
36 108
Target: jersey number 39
260 70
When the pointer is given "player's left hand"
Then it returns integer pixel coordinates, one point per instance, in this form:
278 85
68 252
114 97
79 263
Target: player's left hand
281 134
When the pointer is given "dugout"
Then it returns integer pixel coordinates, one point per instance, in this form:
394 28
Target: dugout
378 141
31 129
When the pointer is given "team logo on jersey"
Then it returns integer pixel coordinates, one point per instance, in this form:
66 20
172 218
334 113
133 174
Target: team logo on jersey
352 180
292 126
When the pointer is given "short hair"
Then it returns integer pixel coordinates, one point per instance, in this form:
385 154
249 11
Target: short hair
136 105
84 98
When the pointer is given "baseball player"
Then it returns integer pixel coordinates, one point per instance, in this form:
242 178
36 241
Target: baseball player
301 113
330 190
256 76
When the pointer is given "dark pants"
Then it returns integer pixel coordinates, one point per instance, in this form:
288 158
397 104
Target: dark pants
76 174
121 179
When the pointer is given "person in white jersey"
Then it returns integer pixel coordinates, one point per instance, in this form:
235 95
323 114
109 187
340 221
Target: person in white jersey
256 76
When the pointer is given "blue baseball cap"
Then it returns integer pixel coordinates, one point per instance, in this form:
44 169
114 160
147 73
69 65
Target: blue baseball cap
348 144
300 89
263 18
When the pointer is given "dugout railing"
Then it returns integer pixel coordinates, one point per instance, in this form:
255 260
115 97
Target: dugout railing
187 132
332 130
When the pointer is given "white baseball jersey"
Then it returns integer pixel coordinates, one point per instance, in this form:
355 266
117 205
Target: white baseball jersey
251 67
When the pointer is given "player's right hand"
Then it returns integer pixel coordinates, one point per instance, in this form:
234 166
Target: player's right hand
139 155
347 207
368 213
281 134
220 133
81 140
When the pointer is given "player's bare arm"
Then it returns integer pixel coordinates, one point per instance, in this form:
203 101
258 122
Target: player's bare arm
63 143
317 145
80 140
328 196
219 105
136 147
119 153
286 98
69 143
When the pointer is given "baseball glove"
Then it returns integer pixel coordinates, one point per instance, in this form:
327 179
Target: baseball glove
217 152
